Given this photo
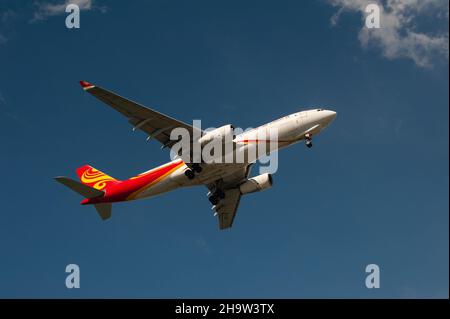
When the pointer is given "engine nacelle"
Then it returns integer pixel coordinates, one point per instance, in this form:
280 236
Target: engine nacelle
224 133
256 184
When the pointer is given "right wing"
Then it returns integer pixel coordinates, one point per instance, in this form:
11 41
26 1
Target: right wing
227 207
157 125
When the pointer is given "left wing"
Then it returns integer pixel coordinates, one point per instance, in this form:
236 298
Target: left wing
227 207
157 125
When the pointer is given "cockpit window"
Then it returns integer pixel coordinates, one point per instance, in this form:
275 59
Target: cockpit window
318 110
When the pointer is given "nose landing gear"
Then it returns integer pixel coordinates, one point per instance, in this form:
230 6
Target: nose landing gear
308 140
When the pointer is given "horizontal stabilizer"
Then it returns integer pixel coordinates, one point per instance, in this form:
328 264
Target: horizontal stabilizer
80 188
104 210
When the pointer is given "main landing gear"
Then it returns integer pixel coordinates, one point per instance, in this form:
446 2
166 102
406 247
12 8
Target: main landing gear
189 173
195 168
216 197
308 140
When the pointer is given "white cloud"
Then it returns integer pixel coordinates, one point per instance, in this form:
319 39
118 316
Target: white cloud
47 9
5 17
3 39
398 36
4 111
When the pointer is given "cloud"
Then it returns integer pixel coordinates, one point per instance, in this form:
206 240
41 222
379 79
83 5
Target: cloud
47 9
3 39
398 36
202 244
5 111
5 18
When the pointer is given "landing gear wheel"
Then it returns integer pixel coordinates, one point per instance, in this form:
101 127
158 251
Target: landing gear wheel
189 173
197 168
308 140
220 194
214 199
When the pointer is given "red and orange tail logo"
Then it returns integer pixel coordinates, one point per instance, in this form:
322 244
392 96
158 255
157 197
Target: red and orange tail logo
94 178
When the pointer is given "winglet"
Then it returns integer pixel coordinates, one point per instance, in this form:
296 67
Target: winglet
86 85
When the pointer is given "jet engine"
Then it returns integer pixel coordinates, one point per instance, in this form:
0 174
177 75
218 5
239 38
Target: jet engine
256 184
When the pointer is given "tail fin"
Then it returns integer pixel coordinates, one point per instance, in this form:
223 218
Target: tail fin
94 178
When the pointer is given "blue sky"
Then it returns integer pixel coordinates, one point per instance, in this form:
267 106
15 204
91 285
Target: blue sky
373 189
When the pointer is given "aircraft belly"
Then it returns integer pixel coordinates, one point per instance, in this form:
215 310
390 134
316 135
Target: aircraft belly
217 172
209 174
165 185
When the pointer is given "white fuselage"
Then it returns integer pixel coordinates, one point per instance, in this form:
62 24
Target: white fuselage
290 130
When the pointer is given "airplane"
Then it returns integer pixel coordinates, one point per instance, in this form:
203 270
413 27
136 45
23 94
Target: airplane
226 182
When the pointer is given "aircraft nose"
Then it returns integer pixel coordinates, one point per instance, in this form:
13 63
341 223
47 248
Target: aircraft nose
330 116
